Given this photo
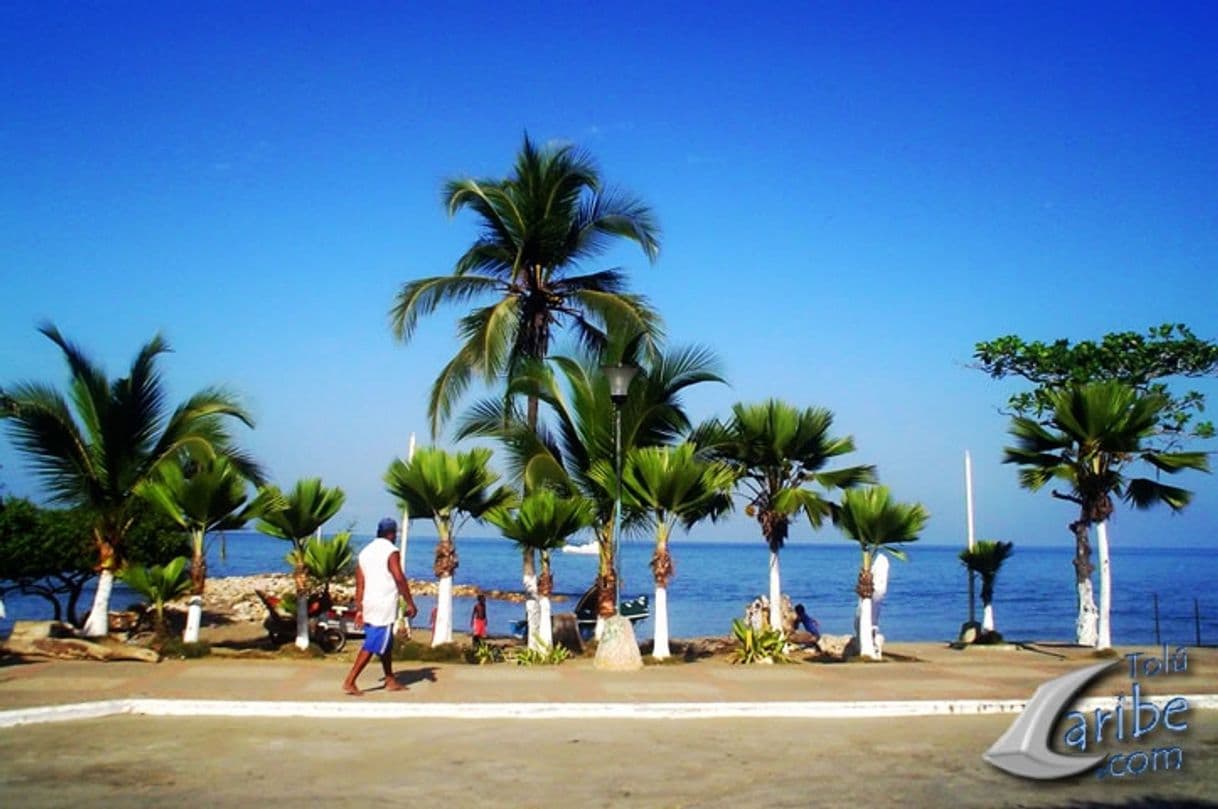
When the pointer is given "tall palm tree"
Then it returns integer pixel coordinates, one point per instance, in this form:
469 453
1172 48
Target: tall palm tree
986 559
450 488
876 523
543 522
1096 433
670 485
202 497
539 226
93 447
777 451
577 432
301 512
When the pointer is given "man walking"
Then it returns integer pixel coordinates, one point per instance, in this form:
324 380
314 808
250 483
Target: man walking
378 583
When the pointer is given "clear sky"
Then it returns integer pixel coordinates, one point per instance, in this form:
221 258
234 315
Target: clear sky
852 195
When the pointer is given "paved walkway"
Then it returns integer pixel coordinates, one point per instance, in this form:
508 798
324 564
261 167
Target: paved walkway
913 672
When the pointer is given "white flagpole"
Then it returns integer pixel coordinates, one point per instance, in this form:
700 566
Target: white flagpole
968 504
402 538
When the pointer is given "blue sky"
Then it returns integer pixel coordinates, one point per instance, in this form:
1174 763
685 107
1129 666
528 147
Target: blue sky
851 195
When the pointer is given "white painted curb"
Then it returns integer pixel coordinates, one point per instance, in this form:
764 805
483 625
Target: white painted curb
377 709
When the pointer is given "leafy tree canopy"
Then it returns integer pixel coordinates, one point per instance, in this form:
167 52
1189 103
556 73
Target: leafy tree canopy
1141 361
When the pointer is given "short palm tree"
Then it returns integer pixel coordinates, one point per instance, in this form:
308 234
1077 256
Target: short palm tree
870 518
671 485
542 523
985 559
301 512
1097 431
450 488
777 451
158 584
94 447
577 432
538 227
203 497
328 559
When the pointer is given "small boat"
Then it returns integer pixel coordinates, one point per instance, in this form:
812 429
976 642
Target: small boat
586 549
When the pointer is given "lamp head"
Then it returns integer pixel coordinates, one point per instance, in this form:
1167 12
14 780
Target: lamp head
620 377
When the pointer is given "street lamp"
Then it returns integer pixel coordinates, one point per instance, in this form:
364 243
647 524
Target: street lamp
620 377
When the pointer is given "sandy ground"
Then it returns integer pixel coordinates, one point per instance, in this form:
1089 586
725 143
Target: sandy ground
141 761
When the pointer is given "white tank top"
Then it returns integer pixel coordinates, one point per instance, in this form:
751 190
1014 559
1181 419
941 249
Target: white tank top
380 605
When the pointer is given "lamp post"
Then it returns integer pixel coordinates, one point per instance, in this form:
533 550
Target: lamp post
620 377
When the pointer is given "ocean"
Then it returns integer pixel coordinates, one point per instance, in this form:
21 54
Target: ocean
927 598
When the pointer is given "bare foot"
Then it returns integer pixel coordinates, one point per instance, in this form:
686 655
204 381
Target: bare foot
352 690
391 684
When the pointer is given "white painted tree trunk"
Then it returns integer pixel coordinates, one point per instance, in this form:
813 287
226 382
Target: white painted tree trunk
1104 628
545 626
1086 629
600 627
775 592
531 609
302 621
661 651
865 631
194 618
98 624
443 632
987 617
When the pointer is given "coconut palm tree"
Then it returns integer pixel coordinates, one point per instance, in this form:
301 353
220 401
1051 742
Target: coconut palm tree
577 431
539 227
450 488
203 497
93 447
985 559
301 512
1097 431
543 522
670 484
869 517
776 452
158 584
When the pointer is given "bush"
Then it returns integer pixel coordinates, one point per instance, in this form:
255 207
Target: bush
554 656
444 653
173 647
756 646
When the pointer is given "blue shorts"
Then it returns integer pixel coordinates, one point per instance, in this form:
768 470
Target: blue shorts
377 639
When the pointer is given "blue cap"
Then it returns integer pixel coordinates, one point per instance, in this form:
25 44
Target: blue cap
386 526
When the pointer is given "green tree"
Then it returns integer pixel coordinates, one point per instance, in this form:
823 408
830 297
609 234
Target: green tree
777 453
985 559
449 488
158 584
577 432
300 513
670 485
870 518
329 559
543 522
1096 433
1140 361
539 227
203 497
93 447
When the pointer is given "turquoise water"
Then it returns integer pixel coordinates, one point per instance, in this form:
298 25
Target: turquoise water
927 597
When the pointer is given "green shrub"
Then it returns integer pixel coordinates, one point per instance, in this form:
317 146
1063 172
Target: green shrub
554 656
756 646
173 647
444 653
484 654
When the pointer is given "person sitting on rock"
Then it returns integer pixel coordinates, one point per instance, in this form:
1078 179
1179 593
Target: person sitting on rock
809 624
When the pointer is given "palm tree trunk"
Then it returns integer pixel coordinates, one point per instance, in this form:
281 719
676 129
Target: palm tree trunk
1104 634
531 607
987 616
98 623
301 575
445 566
661 566
545 587
198 579
1086 630
605 583
864 628
775 592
